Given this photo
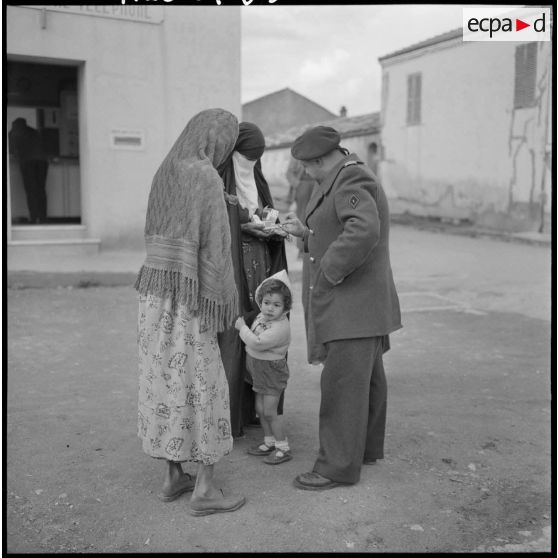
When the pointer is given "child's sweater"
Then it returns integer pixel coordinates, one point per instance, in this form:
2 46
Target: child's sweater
267 340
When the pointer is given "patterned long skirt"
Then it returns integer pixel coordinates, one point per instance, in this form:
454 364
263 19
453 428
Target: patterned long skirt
183 403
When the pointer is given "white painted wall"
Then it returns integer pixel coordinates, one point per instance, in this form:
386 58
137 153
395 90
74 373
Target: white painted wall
274 167
470 156
135 76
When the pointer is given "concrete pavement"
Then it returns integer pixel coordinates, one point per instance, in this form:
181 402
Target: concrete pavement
478 285
467 464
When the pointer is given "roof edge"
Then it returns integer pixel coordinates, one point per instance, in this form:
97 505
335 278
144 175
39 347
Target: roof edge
321 107
435 40
267 95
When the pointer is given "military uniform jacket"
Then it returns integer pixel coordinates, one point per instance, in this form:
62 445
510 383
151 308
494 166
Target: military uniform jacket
350 292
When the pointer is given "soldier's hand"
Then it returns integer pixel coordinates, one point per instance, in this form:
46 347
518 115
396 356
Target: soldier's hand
293 226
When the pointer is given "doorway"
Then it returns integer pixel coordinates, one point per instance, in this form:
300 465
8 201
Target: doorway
42 100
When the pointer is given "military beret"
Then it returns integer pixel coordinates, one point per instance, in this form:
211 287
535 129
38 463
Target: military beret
315 142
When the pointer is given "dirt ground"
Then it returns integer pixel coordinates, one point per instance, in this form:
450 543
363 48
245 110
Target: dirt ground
468 448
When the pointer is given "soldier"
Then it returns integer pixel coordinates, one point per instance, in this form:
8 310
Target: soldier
350 302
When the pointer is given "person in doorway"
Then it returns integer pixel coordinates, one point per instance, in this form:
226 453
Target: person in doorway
257 253
351 305
267 343
25 144
187 295
374 158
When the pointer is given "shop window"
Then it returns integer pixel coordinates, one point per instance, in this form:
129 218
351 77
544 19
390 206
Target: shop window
525 75
42 126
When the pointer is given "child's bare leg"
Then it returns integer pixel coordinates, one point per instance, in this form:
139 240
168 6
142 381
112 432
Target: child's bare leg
282 451
261 413
274 420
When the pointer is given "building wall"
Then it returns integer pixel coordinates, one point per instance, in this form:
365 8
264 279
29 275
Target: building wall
275 162
132 76
472 156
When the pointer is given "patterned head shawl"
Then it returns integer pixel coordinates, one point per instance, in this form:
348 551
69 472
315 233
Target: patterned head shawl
187 233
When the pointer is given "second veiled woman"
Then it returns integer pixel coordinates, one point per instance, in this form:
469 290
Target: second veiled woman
256 253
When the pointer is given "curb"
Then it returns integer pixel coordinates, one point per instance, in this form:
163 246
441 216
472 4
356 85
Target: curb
465 229
18 280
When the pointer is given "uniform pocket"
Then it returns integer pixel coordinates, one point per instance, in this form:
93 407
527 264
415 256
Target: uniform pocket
322 285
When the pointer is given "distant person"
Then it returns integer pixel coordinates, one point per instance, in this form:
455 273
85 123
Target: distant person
351 305
267 342
301 185
25 143
257 253
373 158
187 295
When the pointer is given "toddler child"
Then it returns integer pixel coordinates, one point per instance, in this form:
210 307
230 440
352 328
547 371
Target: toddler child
267 342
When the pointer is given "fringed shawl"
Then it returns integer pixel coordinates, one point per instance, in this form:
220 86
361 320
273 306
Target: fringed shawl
187 235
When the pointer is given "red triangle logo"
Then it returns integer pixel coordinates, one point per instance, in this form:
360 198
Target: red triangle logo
519 25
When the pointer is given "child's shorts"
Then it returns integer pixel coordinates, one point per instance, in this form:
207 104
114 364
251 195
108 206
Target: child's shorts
269 377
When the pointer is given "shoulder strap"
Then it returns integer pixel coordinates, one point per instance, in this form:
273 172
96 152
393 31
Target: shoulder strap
348 163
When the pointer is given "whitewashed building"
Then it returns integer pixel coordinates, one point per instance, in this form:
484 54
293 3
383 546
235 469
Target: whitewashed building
110 88
467 131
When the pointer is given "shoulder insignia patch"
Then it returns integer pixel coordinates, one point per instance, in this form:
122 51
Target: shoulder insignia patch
354 201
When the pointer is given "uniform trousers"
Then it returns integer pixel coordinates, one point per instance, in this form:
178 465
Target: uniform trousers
352 409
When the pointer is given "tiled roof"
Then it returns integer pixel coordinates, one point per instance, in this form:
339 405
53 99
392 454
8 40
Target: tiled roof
347 126
426 43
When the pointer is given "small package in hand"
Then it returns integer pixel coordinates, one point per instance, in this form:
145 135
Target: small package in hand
270 217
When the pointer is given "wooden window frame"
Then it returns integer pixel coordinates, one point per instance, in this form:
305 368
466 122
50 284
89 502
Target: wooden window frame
525 80
414 98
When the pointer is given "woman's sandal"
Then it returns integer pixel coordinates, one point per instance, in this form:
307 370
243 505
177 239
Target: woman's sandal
207 506
277 457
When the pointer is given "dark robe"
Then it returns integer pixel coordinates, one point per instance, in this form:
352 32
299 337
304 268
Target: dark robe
251 144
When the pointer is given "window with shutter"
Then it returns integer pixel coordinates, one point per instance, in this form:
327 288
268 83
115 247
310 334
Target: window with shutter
413 98
525 75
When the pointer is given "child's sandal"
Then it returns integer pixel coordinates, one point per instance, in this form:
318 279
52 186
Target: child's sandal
278 456
262 449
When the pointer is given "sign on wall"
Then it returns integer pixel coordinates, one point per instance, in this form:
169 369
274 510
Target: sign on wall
138 13
127 139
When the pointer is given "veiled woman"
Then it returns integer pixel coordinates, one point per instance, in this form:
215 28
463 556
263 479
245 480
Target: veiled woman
256 254
187 295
